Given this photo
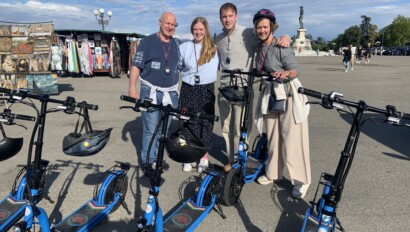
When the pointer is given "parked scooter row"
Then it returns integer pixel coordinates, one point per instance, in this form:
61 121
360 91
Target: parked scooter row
216 186
28 188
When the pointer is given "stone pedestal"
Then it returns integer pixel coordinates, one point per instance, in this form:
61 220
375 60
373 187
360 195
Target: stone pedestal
302 46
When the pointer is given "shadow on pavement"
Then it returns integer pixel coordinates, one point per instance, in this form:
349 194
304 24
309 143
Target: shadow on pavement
64 88
292 210
394 137
55 215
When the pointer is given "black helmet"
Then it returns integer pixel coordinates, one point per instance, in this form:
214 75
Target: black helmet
183 151
265 13
86 144
233 94
9 147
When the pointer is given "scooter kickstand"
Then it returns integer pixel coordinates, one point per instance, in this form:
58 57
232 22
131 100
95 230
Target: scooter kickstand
124 204
220 211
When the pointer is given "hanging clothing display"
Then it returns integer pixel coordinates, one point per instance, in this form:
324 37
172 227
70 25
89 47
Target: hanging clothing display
57 58
115 58
86 58
73 60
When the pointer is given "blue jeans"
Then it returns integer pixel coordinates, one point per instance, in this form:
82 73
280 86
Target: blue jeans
346 64
150 120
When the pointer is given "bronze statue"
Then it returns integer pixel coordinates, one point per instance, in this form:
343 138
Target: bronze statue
301 17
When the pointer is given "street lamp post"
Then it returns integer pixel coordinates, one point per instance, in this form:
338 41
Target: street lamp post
99 15
333 46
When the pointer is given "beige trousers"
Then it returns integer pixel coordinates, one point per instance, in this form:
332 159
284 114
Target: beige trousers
288 145
230 116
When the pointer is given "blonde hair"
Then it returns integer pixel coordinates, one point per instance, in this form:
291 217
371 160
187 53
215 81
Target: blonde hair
208 49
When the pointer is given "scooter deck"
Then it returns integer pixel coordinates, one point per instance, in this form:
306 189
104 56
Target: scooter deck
9 207
252 165
184 217
79 218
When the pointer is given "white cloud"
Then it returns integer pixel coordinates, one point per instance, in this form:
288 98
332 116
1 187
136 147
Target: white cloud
37 5
325 18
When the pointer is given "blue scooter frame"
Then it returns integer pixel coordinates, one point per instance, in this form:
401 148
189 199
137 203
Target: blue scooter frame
24 199
247 166
190 213
321 215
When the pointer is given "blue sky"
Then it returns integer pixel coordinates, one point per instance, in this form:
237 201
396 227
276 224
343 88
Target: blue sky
325 18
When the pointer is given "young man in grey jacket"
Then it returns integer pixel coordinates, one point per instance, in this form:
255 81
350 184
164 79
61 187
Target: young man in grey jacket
236 45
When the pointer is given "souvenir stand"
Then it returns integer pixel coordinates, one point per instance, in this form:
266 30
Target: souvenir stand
90 53
25 57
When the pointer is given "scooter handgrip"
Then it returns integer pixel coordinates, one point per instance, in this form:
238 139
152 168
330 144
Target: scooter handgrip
209 117
24 117
310 92
128 98
88 106
406 116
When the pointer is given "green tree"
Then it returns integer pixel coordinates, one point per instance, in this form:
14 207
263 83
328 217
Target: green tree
320 40
365 27
351 35
397 33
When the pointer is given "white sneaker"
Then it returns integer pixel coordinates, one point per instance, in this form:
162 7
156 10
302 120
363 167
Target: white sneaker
187 167
345 70
263 180
203 164
299 191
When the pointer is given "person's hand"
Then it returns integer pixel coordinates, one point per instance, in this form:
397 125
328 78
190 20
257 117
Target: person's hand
281 75
132 92
283 41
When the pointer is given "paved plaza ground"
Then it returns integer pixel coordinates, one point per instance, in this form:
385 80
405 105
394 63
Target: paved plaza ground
375 195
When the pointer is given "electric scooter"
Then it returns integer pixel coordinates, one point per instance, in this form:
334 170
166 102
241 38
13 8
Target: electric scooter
247 165
321 215
188 214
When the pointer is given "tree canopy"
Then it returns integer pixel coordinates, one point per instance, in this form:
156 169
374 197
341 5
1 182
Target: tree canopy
395 34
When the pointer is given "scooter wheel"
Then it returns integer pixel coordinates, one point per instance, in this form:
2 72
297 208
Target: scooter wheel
209 191
115 187
231 187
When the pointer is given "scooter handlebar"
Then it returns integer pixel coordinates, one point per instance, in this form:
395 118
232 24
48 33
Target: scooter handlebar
176 111
310 92
10 116
128 98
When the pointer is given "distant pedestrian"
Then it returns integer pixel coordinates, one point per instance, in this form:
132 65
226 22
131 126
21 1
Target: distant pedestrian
359 55
368 54
352 56
347 56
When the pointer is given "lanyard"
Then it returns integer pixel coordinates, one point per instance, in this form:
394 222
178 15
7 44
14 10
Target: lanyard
196 59
166 53
262 62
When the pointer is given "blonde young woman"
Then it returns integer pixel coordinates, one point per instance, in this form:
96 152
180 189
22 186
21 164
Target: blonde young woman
199 69
288 136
